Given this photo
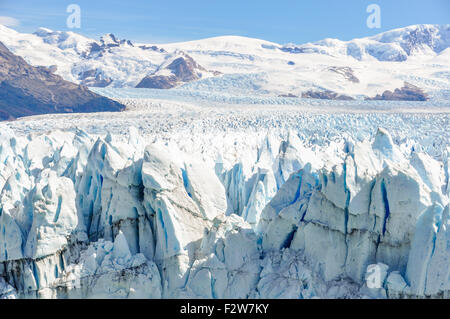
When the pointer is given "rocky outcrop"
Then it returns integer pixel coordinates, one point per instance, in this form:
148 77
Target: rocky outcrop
177 70
346 72
27 90
287 95
326 95
109 40
106 43
158 82
408 92
94 78
153 48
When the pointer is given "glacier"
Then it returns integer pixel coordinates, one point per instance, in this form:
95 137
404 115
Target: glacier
276 210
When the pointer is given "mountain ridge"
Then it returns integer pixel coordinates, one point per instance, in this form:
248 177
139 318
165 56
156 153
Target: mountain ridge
27 90
393 45
420 54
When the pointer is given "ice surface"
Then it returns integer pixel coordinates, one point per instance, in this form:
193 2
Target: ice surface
189 194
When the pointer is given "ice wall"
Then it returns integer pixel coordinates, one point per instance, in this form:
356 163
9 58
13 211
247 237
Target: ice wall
88 216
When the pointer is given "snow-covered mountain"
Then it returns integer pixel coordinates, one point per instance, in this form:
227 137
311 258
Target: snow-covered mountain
395 45
418 55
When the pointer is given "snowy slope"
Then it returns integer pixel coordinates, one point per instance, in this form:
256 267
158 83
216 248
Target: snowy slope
416 54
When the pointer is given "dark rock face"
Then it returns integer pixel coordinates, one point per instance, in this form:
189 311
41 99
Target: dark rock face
153 48
27 90
408 92
287 95
346 72
107 42
182 69
94 48
185 69
295 49
158 82
326 95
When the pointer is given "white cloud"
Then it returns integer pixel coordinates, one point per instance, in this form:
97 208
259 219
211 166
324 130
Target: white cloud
9 21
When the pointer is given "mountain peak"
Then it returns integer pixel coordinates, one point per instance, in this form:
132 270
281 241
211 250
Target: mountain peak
394 45
179 68
109 38
43 31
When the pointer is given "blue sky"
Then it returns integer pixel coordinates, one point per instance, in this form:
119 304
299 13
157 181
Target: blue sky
281 21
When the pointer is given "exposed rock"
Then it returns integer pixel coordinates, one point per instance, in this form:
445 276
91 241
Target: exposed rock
108 41
94 48
346 72
94 78
287 95
326 95
177 70
49 69
27 90
408 92
153 48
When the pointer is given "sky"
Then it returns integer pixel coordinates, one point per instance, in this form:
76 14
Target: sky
280 21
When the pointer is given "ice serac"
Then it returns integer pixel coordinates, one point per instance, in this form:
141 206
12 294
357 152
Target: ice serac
182 198
227 262
370 208
51 212
84 216
54 215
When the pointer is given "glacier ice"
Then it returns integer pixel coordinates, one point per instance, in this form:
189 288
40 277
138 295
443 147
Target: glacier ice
91 216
